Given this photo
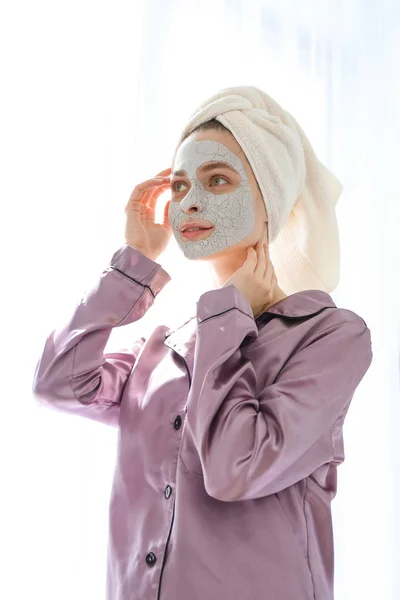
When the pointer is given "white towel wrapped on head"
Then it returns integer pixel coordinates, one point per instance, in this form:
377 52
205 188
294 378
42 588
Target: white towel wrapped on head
299 192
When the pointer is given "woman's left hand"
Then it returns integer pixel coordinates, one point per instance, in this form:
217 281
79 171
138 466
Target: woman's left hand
256 278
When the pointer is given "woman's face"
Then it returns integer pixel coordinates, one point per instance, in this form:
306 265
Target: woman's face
212 182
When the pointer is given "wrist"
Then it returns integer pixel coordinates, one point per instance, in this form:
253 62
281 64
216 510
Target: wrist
144 252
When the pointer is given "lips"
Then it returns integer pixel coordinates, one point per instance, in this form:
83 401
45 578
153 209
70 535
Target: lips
196 234
195 224
196 229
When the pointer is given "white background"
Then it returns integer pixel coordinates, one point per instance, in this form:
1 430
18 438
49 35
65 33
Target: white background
93 95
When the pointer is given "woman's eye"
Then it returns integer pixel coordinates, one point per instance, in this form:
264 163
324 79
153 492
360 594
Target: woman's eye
216 177
176 184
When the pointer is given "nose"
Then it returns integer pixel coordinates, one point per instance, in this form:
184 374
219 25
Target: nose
192 209
191 203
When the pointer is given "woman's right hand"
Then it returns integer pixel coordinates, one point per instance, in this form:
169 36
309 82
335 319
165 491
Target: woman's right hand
141 231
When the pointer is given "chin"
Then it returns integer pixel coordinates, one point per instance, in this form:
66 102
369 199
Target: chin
238 251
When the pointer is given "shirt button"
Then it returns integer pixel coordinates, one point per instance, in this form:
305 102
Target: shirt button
151 559
168 491
178 422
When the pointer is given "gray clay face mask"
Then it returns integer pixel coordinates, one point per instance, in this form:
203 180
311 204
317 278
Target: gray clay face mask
232 214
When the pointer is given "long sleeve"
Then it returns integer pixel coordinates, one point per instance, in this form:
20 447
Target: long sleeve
73 374
250 446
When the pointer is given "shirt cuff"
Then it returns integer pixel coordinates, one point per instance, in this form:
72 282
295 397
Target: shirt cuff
140 268
215 302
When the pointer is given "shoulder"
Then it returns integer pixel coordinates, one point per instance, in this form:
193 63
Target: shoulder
336 328
347 316
343 318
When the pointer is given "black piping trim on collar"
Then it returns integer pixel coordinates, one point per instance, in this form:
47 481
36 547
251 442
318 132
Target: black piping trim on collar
266 315
308 314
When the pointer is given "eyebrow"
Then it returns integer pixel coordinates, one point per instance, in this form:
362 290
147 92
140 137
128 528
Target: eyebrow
207 167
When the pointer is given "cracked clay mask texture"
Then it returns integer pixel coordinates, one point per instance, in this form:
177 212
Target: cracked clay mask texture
232 214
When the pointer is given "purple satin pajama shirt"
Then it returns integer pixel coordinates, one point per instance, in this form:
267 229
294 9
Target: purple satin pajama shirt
230 434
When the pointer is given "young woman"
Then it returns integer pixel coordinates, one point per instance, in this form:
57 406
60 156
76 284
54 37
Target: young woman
230 426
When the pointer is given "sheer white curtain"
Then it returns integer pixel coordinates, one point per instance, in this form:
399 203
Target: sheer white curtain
94 95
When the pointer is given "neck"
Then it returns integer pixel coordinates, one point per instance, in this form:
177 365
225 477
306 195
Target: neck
278 295
222 270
